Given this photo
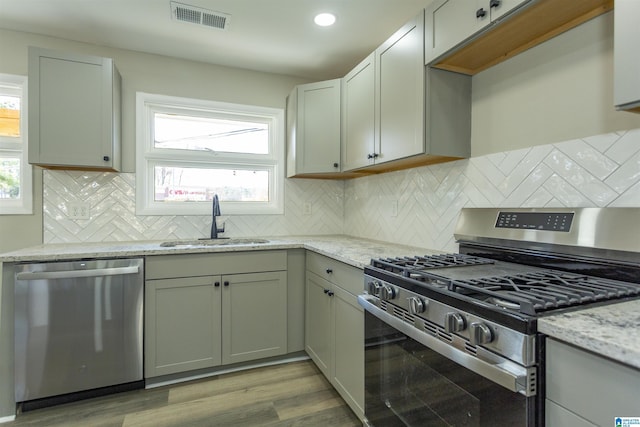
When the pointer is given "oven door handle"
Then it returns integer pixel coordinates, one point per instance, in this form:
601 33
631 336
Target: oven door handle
505 373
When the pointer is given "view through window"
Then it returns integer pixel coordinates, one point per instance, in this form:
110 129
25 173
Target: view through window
192 149
15 172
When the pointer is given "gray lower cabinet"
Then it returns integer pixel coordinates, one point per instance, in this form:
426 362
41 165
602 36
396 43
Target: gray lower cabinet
584 389
198 319
334 326
183 325
254 316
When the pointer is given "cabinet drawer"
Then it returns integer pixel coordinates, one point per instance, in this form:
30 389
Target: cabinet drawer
343 275
191 265
591 386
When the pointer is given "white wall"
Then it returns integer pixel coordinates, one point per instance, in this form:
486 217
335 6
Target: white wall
559 90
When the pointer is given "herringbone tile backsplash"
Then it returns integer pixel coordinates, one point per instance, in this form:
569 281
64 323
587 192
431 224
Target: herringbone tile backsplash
417 206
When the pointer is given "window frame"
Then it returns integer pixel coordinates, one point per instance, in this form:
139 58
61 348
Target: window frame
18 148
148 157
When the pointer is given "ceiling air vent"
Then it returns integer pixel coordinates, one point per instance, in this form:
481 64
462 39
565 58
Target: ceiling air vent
199 16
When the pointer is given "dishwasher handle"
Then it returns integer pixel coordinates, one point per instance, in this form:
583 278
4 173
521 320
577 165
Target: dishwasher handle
72 274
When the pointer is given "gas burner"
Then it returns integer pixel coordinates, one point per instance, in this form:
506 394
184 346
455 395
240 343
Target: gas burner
502 303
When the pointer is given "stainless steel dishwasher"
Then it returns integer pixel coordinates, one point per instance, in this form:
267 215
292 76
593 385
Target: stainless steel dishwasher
78 328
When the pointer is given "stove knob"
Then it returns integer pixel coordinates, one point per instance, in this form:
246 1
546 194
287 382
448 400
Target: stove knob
479 333
454 322
417 305
387 292
374 288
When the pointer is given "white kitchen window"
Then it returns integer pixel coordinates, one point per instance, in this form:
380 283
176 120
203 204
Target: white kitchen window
15 172
190 149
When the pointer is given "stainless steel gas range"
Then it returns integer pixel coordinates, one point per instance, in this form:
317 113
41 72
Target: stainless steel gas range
452 340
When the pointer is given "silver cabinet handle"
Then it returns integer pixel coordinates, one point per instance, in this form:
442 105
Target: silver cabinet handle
506 373
72 274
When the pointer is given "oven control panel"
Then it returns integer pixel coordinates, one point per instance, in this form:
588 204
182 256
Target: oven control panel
546 221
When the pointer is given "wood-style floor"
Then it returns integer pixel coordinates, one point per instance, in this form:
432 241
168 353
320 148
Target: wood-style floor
293 394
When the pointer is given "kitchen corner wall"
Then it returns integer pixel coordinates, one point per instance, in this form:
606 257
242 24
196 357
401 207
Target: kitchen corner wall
416 207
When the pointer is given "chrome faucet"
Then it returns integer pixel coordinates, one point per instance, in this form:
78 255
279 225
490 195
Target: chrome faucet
216 212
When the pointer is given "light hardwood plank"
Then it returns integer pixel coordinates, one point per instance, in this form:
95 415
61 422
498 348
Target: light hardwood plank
294 394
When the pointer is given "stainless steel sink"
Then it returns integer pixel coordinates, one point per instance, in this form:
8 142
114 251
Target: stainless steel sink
211 242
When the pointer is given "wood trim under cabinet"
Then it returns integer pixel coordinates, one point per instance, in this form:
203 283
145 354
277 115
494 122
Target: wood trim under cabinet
395 165
535 24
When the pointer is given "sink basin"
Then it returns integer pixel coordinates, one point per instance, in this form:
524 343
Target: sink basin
211 242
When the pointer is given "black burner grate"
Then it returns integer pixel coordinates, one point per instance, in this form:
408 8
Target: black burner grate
532 293
406 265
528 293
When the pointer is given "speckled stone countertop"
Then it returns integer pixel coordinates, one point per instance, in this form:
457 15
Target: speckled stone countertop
610 330
352 251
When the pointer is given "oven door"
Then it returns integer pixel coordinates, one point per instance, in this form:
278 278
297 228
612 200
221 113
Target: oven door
415 379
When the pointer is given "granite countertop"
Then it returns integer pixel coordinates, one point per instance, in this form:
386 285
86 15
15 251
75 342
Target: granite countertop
353 251
610 330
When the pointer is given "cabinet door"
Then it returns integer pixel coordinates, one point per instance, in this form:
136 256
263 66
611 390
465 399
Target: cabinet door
625 53
400 83
254 316
358 115
348 362
72 111
450 22
182 318
502 7
318 322
319 127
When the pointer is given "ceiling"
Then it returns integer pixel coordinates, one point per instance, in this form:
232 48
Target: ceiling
276 36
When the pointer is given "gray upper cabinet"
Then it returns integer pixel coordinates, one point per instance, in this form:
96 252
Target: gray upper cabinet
451 22
74 111
469 36
400 84
397 113
383 101
313 128
358 115
626 60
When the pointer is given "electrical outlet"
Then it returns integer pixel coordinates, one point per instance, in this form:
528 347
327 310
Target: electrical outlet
306 208
78 211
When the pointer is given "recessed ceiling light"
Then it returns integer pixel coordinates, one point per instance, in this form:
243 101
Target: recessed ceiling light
325 19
